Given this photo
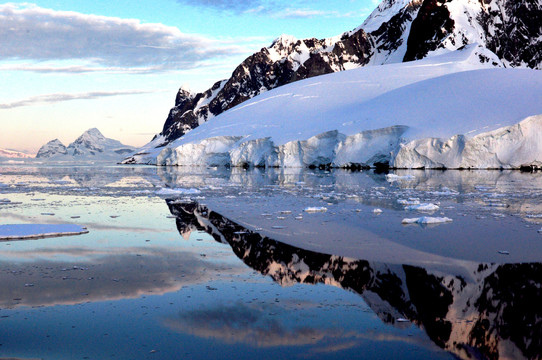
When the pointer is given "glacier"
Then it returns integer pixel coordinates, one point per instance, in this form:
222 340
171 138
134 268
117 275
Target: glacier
447 111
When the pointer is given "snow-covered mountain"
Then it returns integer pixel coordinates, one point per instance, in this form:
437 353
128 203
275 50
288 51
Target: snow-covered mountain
416 114
13 154
90 146
508 32
51 149
481 311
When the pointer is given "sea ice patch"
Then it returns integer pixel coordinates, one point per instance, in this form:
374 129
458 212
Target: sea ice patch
36 231
423 207
426 220
314 209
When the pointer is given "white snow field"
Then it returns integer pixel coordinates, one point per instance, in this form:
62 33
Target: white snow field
447 111
36 231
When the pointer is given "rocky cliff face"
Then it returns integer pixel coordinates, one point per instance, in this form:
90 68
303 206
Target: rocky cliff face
397 30
510 29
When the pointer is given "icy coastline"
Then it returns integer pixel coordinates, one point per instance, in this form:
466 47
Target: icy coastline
444 112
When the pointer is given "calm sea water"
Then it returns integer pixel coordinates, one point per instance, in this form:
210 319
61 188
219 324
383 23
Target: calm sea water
222 264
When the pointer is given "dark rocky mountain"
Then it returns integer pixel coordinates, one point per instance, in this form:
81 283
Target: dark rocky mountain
490 313
510 29
398 30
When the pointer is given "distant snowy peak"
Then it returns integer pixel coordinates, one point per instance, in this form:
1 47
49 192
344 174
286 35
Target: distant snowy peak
91 145
52 148
13 154
90 142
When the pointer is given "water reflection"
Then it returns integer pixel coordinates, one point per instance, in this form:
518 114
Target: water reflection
471 310
105 274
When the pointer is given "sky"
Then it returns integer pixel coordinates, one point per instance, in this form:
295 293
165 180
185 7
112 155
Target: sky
67 66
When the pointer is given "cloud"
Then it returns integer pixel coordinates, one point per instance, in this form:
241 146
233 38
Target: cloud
61 97
272 8
300 13
240 324
237 6
81 69
29 32
101 274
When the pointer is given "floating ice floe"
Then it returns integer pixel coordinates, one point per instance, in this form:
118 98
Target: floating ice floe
177 191
409 201
313 209
423 207
377 211
35 231
393 177
444 192
426 220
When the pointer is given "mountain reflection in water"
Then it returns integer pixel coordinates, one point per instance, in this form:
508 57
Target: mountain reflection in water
490 311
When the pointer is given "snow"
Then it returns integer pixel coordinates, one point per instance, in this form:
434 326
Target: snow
425 220
377 114
383 13
34 231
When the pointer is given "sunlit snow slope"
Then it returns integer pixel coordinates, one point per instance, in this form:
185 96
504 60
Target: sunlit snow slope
399 114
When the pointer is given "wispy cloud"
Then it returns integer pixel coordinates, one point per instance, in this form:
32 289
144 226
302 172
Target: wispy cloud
271 8
29 32
61 97
236 6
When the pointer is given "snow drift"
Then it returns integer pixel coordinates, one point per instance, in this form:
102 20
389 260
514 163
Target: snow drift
447 111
